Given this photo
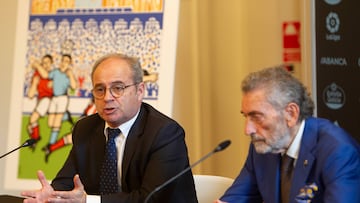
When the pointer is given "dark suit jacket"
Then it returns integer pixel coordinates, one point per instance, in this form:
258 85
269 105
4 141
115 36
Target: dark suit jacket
328 157
155 151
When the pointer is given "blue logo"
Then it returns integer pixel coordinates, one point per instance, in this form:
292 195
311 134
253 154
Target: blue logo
333 2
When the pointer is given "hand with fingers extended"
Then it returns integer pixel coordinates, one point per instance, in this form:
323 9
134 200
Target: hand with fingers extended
41 195
48 194
77 195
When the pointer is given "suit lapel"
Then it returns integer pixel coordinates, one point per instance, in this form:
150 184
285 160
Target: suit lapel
275 179
132 142
269 173
276 190
305 159
91 153
95 140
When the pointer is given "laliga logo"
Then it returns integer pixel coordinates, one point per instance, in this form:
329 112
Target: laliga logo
332 2
332 22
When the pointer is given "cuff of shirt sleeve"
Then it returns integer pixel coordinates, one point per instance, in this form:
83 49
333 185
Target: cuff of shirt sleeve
93 199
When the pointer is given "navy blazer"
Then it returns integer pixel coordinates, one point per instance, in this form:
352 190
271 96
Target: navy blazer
329 158
155 151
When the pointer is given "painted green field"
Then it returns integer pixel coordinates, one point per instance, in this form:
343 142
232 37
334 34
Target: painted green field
31 160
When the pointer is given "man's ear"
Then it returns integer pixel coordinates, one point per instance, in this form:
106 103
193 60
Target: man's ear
140 90
292 112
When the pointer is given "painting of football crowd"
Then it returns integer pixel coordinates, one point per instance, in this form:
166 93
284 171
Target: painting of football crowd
64 39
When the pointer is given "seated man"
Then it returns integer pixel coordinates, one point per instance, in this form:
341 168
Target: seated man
149 147
324 161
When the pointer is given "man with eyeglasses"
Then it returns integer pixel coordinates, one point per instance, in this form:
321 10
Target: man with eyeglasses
152 149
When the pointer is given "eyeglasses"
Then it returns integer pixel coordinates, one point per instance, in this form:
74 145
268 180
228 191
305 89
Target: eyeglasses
116 90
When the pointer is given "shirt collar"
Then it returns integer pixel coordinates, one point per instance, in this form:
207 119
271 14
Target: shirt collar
294 148
125 127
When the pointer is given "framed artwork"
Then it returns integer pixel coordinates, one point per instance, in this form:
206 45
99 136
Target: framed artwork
57 41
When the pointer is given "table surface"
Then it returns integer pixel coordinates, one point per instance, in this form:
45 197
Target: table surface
10 199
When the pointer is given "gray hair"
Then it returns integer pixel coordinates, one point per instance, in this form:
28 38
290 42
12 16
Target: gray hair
134 63
281 88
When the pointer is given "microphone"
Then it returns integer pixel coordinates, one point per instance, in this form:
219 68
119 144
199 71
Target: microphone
223 145
25 144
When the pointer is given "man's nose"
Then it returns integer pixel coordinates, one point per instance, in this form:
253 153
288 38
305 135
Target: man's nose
250 127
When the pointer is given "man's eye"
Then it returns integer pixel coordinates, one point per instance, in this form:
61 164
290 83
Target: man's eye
257 118
117 88
99 89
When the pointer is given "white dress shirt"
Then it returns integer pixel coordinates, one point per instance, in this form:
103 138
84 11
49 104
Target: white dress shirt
294 148
120 145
